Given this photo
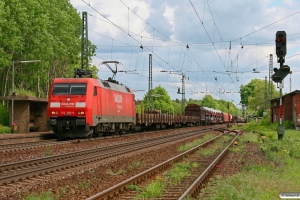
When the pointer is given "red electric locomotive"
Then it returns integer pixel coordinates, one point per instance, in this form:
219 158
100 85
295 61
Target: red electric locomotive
81 107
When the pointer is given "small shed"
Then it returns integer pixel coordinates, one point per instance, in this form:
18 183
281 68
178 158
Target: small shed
30 113
290 108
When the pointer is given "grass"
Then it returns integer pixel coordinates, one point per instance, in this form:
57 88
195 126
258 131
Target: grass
84 185
136 165
195 143
214 147
110 172
42 196
170 177
64 189
281 174
179 171
48 150
153 190
133 188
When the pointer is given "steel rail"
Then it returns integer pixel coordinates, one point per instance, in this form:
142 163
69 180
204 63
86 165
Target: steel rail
194 189
82 158
113 191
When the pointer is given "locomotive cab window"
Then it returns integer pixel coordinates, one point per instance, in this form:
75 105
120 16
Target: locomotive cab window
63 89
78 89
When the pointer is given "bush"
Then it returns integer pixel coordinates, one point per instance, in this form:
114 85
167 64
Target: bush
4 129
265 120
288 124
4 115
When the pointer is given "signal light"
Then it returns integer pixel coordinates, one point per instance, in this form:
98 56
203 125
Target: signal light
280 45
285 68
281 73
276 79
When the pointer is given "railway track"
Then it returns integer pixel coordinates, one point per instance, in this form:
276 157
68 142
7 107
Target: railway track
55 142
49 143
14 172
187 188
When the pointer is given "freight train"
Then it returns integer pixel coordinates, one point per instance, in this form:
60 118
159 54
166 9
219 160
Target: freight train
83 107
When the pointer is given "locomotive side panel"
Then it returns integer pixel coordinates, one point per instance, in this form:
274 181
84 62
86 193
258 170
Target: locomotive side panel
116 108
116 100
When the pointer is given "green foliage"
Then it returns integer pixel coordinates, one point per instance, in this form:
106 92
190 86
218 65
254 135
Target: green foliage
179 171
20 92
158 99
265 124
252 95
288 124
283 147
4 129
121 171
84 185
4 118
153 190
280 174
48 150
39 30
136 165
195 143
42 196
209 101
133 188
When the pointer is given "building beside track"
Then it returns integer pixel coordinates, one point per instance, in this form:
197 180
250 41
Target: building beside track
290 106
29 113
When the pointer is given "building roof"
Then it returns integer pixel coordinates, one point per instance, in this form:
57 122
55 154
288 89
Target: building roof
30 99
289 94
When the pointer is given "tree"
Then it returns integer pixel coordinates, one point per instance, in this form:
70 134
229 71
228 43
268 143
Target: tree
158 99
209 101
39 30
252 95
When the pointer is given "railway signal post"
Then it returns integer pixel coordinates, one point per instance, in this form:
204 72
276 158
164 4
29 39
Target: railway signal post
280 74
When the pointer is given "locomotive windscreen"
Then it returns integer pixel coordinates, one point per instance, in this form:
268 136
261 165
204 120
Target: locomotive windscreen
73 88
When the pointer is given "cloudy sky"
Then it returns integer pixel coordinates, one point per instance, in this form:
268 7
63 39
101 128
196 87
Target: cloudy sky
215 44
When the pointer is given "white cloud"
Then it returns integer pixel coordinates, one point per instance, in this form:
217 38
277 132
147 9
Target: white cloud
171 25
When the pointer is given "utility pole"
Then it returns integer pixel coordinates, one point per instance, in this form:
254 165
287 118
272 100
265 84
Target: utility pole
84 42
150 79
291 81
183 93
266 93
270 77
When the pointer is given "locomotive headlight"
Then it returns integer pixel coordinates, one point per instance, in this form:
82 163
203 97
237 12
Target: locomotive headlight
54 112
80 112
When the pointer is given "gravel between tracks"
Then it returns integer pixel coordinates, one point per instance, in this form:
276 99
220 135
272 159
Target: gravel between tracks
75 145
86 181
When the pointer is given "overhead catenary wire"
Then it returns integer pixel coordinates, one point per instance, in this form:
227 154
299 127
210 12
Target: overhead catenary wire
170 46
